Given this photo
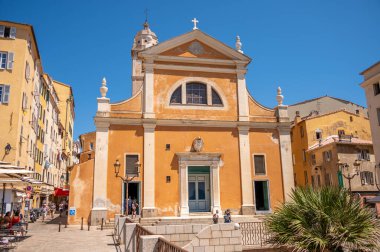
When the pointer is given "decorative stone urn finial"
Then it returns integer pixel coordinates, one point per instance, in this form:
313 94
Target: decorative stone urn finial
104 88
238 44
279 96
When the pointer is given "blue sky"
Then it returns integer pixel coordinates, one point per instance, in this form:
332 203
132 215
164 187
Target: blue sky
309 48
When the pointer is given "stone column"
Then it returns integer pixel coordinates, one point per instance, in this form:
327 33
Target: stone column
99 203
247 207
148 105
149 209
215 183
242 94
285 145
99 200
286 161
184 193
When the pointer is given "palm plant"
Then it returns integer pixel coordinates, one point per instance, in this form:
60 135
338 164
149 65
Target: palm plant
326 219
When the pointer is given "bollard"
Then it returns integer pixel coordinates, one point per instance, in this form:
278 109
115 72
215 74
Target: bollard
88 225
66 224
59 227
101 226
81 224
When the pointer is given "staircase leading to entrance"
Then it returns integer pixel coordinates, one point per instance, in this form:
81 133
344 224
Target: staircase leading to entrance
108 224
203 218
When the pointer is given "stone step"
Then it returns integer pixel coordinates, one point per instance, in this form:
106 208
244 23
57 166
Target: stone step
199 219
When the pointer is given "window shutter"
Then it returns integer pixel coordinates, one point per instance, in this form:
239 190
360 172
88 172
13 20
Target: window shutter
259 161
2 28
13 33
10 60
130 163
6 94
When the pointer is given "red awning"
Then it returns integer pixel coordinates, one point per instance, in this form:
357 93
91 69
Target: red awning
59 192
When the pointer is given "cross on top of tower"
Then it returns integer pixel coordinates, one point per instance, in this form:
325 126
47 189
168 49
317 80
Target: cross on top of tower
146 14
195 21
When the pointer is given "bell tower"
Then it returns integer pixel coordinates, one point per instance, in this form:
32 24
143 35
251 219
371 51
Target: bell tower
143 40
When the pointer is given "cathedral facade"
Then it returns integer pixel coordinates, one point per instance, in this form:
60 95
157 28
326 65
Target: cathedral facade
191 139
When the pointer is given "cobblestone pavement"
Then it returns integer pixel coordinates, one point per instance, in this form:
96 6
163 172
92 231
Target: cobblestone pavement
44 237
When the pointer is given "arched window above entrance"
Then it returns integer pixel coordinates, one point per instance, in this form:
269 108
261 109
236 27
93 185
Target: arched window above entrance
196 93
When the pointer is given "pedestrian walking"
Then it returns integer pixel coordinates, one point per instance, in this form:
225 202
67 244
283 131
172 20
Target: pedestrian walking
227 216
44 211
135 205
52 210
60 208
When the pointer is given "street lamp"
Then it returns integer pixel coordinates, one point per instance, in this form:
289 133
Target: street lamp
349 176
126 179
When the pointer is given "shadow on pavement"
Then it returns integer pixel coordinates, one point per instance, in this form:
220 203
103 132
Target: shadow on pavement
57 220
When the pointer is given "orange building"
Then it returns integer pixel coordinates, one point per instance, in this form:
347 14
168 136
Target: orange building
191 135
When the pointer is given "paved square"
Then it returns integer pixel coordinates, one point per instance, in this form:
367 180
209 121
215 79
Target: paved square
45 237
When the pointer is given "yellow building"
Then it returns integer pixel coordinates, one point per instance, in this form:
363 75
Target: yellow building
24 103
20 67
192 136
66 117
320 140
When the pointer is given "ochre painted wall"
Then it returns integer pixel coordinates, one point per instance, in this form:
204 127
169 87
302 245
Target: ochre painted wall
266 142
216 140
81 188
122 140
163 88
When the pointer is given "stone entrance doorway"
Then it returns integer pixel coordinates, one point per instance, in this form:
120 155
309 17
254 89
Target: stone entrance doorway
199 182
199 188
134 194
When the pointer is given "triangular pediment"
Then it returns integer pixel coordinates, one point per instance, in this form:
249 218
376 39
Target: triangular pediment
196 44
195 49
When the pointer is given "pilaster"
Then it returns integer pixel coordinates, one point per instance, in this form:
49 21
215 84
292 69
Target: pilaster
215 187
99 203
245 171
184 193
242 94
149 209
149 90
286 161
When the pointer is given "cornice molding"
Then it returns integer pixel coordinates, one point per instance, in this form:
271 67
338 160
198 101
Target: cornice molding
194 123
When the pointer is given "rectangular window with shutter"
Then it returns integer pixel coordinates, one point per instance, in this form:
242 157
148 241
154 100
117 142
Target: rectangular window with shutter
12 33
10 60
4 93
313 159
259 163
131 165
3 60
7 32
366 178
2 30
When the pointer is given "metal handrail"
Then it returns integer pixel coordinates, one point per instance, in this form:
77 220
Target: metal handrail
118 234
140 230
254 234
166 246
